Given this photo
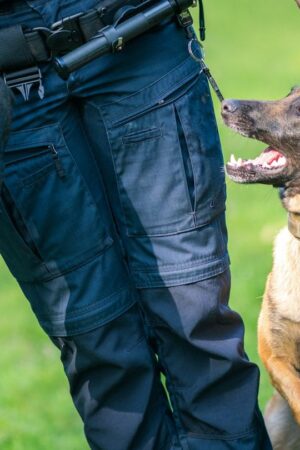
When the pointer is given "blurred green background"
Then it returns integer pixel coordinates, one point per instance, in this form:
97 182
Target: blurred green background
252 48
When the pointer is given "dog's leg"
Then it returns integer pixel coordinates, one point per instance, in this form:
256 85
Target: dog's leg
283 378
282 428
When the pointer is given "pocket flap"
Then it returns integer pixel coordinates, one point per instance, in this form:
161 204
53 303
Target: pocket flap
50 134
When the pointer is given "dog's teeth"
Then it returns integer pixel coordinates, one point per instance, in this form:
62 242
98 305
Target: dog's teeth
282 161
232 159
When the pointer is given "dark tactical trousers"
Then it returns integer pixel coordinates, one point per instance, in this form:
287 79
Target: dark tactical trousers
112 221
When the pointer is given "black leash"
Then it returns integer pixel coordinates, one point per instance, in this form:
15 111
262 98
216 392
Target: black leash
204 67
202 28
195 47
200 51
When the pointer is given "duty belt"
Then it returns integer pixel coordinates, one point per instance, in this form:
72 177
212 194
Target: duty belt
85 36
22 48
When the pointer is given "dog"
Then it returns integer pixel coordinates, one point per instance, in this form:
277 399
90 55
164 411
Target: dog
277 124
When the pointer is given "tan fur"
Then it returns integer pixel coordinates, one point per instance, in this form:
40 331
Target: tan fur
279 339
292 204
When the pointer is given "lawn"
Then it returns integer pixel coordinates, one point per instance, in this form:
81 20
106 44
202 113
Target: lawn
253 52
252 49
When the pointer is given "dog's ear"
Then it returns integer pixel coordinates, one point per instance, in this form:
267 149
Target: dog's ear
6 101
294 88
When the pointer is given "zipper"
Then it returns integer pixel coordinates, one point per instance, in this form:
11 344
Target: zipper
58 165
187 161
38 151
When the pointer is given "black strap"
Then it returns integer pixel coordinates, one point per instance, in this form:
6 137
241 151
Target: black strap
37 46
201 21
91 23
15 53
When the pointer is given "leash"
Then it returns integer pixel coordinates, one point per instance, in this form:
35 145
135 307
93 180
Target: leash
204 67
198 53
195 46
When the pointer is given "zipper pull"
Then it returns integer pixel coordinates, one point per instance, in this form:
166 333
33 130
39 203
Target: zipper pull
59 167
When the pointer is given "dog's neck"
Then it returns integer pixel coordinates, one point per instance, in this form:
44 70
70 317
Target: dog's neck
291 202
294 224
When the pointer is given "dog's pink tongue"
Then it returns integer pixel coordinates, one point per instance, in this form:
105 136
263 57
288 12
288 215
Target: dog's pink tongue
268 156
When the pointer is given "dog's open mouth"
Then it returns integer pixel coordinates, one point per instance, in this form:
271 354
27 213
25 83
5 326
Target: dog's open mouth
268 168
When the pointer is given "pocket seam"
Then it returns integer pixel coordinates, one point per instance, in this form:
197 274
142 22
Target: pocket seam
37 176
142 135
59 273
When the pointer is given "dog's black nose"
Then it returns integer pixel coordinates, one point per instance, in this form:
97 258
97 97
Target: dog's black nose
229 106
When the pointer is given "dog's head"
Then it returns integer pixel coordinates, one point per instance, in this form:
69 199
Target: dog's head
277 124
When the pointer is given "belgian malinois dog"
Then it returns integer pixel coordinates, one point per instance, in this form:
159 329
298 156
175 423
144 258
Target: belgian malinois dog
277 124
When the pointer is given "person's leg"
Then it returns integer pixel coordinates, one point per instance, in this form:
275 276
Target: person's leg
59 240
212 385
156 141
116 387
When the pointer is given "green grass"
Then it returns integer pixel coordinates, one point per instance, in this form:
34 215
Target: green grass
252 51
252 48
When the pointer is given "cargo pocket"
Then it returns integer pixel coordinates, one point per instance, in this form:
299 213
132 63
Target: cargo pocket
49 221
168 162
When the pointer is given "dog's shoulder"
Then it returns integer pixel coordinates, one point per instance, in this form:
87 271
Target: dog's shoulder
280 314
285 285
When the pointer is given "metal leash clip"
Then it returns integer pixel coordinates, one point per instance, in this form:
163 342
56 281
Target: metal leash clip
23 80
204 67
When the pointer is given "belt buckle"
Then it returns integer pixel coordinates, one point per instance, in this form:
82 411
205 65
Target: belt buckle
23 80
66 35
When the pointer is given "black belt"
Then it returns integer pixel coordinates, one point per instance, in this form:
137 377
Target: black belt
21 48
